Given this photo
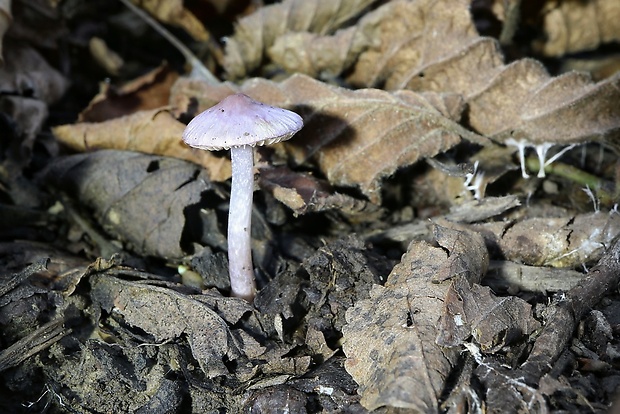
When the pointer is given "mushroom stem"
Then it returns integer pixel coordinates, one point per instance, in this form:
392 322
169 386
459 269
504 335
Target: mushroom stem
240 223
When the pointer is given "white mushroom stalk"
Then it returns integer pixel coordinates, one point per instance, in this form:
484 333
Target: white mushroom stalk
240 123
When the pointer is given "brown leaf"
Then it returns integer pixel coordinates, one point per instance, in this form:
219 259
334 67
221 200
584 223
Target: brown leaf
425 46
573 26
168 315
140 199
5 21
304 193
474 310
152 132
356 137
389 339
175 13
560 242
149 91
255 33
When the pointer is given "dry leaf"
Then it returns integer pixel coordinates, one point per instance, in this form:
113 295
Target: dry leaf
149 91
356 137
560 242
168 315
426 46
577 26
5 21
175 13
494 322
304 193
26 73
255 33
389 339
152 132
511 277
138 198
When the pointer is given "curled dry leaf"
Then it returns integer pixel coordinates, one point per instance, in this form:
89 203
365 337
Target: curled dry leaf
560 242
304 193
255 33
576 26
5 22
141 199
174 13
168 315
389 339
356 137
153 132
149 91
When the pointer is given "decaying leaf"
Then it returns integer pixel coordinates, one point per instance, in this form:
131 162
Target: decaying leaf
175 13
356 137
138 198
560 242
474 310
167 315
304 193
5 22
153 132
576 26
389 339
26 73
255 33
426 46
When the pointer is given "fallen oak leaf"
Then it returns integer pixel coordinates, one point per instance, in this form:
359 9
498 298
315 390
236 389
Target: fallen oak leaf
356 137
154 132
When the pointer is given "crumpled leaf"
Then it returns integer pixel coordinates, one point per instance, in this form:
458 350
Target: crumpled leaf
175 13
560 241
389 339
575 26
26 73
154 132
356 137
168 315
5 22
255 33
304 193
138 198
494 322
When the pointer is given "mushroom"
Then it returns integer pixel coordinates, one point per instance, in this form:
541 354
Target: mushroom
239 123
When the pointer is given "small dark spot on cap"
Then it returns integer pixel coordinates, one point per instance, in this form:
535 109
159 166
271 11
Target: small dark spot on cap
245 134
222 110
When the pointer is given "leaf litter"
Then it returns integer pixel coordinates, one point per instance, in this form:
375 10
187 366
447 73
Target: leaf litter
387 284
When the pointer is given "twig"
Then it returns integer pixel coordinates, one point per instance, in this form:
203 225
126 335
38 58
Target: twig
198 69
563 319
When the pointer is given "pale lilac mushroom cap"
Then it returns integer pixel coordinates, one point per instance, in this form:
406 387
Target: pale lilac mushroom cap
240 120
240 123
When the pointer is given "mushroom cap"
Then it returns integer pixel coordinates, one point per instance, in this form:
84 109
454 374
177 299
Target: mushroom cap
240 120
